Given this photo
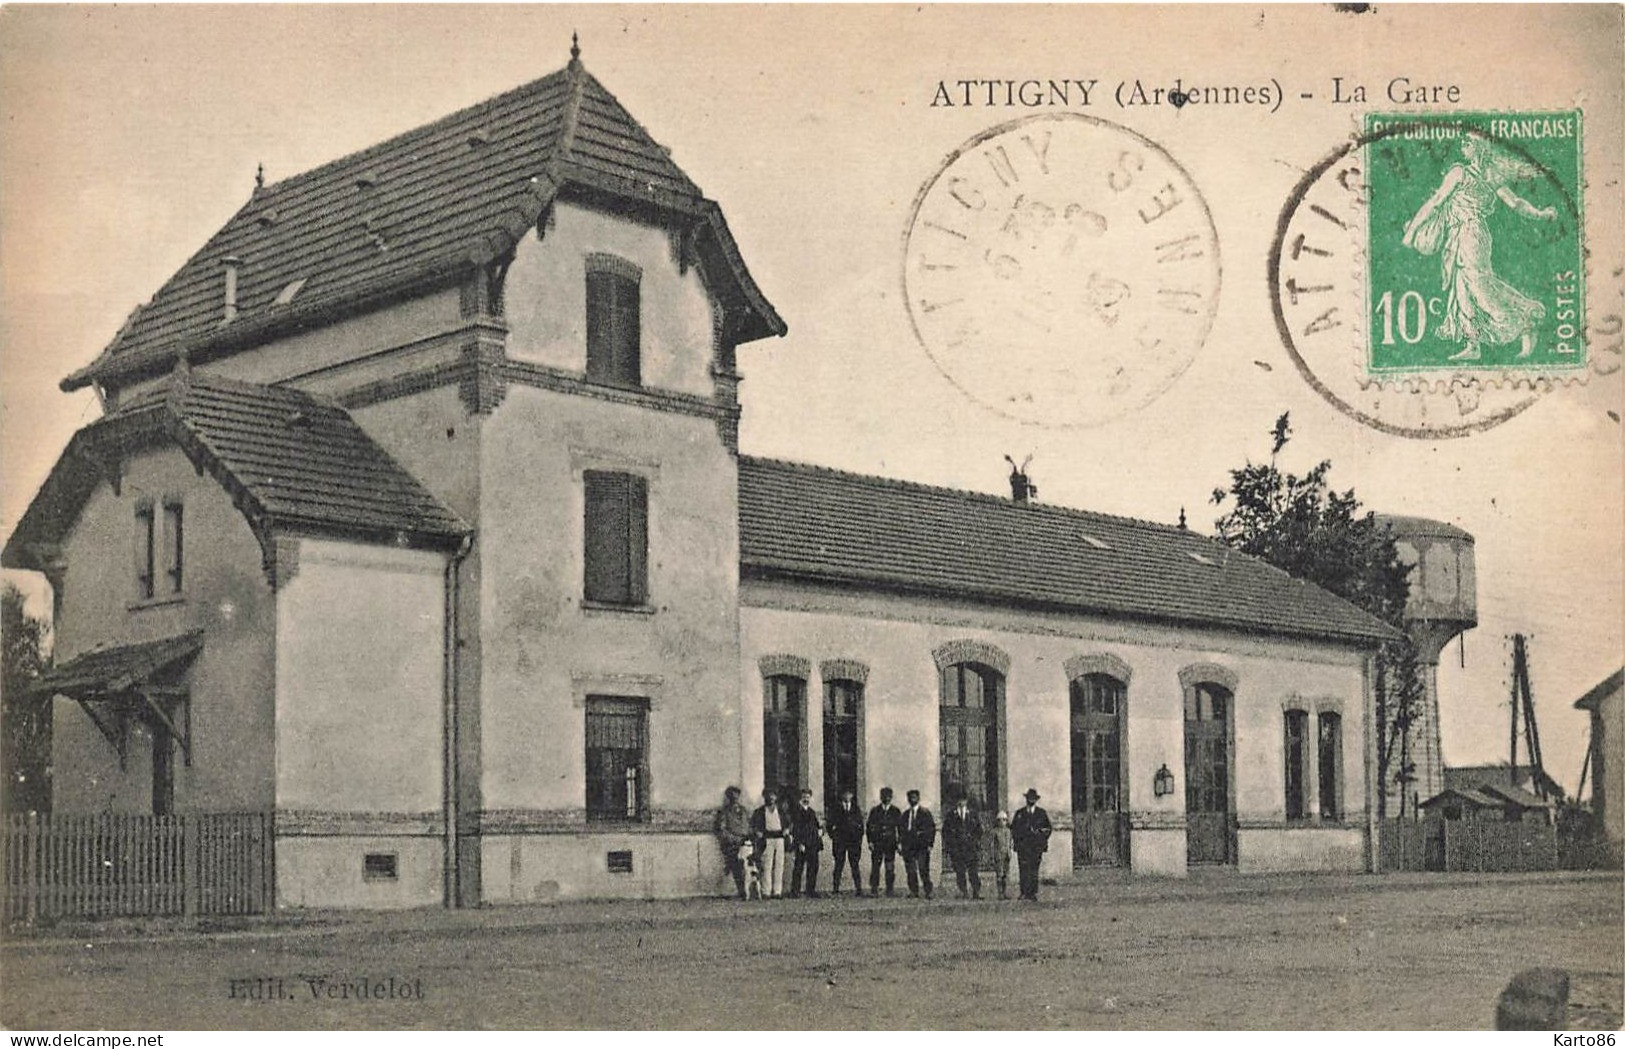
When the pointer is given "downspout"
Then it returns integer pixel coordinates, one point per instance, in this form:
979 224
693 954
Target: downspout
449 729
1368 715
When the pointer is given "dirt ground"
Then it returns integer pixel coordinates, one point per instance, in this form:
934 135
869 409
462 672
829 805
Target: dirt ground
1217 951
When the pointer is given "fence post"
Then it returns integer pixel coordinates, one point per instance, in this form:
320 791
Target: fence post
30 885
191 861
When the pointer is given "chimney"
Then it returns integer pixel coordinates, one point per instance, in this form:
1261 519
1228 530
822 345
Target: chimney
231 263
1022 489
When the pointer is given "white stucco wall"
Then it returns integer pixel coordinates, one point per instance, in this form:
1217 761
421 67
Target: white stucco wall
895 637
359 718
546 299
225 594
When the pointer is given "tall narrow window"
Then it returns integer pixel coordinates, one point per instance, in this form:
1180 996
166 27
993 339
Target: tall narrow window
971 695
1297 764
1099 806
174 564
617 538
782 707
614 353
1331 766
617 758
843 702
146 551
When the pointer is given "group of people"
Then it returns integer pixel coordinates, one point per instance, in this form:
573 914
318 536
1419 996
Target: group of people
758 846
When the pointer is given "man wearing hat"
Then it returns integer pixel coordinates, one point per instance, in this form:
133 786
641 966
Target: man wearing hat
917 835
807 837
883 830
733 831
845 824
962 840
1029 832
769 826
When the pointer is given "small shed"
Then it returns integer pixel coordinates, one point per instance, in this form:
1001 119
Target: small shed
1464 803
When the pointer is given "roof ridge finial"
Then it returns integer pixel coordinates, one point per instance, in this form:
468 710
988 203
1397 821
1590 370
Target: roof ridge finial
575 50
259 175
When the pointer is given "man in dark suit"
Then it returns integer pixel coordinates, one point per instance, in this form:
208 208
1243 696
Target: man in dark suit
918 834
1029 832
885 821
962 838
845 825
807 838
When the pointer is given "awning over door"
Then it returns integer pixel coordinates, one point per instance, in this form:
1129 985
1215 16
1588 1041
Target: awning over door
112 683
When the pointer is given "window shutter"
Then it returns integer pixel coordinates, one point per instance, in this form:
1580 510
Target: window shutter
625 309
600 326
145 543
637 539
606 526
174 566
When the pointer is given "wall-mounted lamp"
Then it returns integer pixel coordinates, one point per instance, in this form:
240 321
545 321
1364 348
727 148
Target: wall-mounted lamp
1163 785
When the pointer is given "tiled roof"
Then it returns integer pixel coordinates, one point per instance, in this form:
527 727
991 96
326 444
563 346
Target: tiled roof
104 671
418 211
820 525
1477 798
1478 777
289 459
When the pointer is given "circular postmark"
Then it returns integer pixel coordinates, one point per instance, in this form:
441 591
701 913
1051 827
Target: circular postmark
1061 270
1391 293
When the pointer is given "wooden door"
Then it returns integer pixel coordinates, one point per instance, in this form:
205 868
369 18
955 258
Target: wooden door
1098 803
1209 807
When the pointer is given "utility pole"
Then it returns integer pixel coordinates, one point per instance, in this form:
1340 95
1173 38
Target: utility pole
1523 701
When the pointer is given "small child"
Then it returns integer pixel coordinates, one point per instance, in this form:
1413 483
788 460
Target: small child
1002 843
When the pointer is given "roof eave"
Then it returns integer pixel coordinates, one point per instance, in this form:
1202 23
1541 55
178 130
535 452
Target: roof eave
768 570
246 332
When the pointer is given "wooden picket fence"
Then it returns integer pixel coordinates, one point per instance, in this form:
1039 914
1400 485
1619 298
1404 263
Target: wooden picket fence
109 865
1467 845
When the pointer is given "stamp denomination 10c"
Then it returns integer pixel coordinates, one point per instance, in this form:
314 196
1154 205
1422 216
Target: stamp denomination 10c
1475 253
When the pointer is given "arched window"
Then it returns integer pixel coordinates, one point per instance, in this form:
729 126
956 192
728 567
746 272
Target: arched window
614 351
843 710
783 704
972 699
1209 807
1099 704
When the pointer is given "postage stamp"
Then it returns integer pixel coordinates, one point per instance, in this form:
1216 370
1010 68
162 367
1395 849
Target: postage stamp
1408 278
1061 270
1475 255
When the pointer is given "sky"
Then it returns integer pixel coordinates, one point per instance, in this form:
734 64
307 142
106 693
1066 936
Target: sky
128 135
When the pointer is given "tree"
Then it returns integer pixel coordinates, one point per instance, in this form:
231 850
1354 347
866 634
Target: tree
25 720
1299 524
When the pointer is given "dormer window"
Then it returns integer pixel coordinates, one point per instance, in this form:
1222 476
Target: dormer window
614 335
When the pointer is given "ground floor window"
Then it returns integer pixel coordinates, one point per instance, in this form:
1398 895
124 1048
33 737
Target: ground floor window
1297 764
617 758
971 697
1331 766
782 714
843 704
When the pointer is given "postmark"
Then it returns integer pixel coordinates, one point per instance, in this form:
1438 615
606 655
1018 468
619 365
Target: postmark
1343 279
1061 270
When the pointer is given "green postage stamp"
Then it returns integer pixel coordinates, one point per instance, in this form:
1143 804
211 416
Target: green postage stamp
1475 256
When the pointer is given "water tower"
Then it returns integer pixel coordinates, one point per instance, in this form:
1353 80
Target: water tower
1443 602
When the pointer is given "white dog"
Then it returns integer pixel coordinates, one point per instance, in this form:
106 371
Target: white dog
753 872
